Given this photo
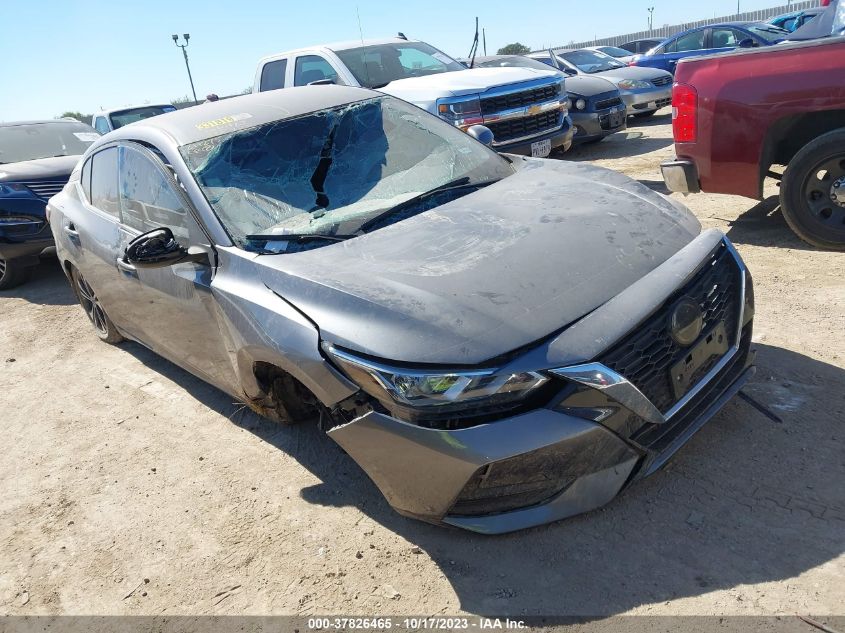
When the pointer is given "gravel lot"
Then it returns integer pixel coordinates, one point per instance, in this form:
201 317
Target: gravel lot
130 487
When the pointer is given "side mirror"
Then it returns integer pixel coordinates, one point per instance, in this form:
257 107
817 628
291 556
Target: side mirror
570 71
747 43
481 133
321 82
158 249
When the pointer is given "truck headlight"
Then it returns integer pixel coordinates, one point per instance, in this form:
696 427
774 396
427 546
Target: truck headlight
461 112
633 84
435 388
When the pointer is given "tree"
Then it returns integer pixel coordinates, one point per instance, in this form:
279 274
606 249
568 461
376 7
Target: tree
514 49
85 118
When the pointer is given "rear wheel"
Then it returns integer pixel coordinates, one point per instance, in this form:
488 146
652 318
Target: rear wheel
13 274
103 326
812 192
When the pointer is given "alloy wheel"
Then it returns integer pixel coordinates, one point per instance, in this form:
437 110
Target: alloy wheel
91 305
2 268
824 191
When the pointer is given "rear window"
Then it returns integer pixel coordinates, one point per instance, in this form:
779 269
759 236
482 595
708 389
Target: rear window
44 140
130 115
768 32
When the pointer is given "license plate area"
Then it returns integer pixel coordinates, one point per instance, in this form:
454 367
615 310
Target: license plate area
541 149
687 371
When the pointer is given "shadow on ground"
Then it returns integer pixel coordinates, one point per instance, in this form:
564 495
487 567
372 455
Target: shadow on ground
619 145
48 285
749 500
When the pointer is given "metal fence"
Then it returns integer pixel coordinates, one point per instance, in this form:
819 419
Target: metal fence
667 31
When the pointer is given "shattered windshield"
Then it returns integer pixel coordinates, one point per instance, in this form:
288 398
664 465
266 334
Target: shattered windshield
336 172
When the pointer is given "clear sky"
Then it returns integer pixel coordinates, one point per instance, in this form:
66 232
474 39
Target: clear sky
81 55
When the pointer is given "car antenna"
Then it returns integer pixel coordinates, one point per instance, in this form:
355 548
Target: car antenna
361 33
474 48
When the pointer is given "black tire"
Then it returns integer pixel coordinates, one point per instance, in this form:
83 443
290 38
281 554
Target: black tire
644 115
103 326
13 274
807 199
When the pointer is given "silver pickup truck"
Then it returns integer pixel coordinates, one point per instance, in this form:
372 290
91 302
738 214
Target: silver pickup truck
526 109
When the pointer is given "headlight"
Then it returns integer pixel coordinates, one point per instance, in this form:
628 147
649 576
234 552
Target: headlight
462 112
15 190
436 390
633 84
579 103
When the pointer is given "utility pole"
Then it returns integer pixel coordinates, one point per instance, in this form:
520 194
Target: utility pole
484 40
650 19
187 37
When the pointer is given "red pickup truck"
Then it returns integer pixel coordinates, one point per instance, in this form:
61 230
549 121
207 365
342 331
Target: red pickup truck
736 115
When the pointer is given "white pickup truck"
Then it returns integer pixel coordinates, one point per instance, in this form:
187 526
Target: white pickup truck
526 109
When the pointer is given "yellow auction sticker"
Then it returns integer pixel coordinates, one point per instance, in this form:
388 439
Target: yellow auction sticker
232 118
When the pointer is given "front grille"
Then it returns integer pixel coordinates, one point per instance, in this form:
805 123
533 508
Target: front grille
504 131
45 188
662 81
659 437
646 356
604 104
493 105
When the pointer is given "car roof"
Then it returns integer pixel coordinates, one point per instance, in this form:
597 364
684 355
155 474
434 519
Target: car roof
134 107
339 46
215 118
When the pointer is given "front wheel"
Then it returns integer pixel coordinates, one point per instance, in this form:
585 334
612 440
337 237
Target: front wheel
812 192
13 274
103 326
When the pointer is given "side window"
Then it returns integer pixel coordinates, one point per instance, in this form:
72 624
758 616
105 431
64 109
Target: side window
85 179
669 47
100 125
104 181
310 68
791 24
148 199
724 38
273 75
690 42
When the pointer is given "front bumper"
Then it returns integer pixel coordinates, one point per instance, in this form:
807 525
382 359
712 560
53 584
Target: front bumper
561 138
647 99
552 462
680 176
590 126
25 247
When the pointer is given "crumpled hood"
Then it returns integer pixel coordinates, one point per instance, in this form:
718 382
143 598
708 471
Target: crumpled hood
632 72
488 273
461 82
57 168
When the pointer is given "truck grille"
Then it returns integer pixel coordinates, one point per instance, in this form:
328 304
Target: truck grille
45 188
662 81
499 103
646 356
504 131
604 104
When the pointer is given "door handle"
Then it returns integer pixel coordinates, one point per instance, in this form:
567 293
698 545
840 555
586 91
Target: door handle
126 267
71 232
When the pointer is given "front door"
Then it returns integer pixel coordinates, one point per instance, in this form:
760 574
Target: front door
174 309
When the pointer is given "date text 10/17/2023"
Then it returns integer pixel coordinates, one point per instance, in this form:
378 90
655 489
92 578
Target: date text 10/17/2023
415 623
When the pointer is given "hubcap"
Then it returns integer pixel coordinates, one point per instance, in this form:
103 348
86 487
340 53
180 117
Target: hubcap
2 268
824 193
91 305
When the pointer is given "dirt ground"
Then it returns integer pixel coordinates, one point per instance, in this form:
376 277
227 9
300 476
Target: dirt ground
129 487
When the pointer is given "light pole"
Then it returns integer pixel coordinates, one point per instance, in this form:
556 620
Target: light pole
187 37
650 19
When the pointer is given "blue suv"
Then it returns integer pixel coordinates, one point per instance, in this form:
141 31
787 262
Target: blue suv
707 40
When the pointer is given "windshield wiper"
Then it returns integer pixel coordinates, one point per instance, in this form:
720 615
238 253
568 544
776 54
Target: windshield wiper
296 237
459 183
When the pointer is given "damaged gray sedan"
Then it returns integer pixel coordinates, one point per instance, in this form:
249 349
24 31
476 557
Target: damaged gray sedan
499 342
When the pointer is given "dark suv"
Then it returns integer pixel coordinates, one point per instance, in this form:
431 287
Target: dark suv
36 159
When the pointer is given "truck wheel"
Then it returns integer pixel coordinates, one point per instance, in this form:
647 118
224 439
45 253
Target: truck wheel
812 193
13 274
